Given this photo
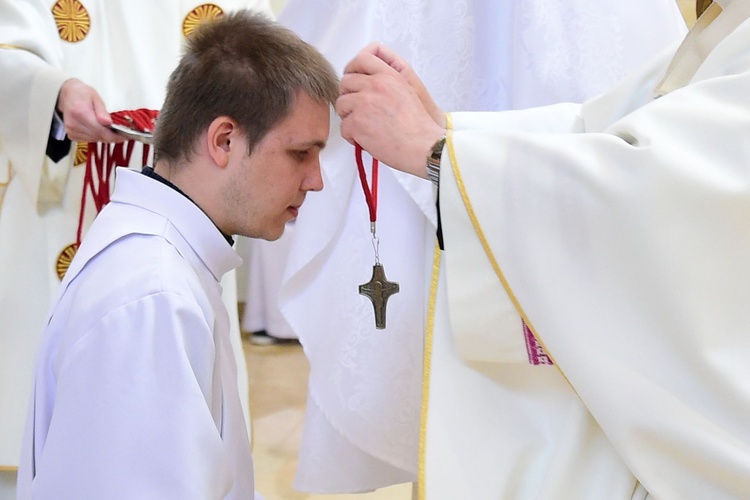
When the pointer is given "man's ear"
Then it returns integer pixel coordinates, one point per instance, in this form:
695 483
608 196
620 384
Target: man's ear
219 138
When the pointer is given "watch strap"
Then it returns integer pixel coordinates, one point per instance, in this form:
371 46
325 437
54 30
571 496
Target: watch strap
433 161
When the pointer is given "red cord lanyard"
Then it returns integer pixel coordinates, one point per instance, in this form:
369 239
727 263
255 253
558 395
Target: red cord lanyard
101 159
371 195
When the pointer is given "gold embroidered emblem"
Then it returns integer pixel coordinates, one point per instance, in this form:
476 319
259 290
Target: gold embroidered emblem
200 14
65 258
82 151
72 19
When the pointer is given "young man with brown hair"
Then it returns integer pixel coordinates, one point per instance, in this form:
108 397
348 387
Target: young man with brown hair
135 390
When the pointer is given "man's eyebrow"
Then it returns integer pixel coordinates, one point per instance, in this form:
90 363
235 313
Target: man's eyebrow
309 144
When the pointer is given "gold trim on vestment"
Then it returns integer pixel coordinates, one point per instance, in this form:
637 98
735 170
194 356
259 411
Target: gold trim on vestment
426 373
8 468
9 46
486 246
72 19
199 15
12 47
427 363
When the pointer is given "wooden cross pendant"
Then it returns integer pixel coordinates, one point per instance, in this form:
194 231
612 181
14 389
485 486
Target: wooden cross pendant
378 290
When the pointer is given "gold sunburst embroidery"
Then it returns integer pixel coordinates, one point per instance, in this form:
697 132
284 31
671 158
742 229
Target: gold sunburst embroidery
200 14
65 258
82 150
72 19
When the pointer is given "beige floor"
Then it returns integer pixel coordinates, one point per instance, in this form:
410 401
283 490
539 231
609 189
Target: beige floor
278 388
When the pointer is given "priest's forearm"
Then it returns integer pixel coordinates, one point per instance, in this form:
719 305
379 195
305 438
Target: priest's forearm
28 92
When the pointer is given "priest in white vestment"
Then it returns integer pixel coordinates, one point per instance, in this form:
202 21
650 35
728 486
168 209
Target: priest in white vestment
362 423
124 50
593 340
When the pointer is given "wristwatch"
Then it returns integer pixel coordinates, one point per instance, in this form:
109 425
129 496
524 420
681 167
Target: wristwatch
433 161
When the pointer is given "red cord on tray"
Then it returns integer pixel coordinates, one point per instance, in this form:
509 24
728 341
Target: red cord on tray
142 119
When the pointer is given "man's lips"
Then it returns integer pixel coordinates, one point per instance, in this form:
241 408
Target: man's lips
294 209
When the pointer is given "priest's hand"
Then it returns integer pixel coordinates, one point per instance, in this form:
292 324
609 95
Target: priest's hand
403 68
84 114
386 109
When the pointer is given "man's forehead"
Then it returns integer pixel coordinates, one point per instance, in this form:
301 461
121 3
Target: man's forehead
306 124
299 134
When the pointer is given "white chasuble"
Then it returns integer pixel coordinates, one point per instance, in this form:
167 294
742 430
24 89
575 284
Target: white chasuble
617 231
364 399
125 50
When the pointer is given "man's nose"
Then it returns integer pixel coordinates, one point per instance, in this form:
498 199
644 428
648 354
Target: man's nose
314 179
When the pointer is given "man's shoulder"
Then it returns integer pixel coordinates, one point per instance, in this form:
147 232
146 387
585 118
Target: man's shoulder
135 276
136 265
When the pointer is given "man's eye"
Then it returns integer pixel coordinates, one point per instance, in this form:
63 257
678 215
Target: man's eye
301 154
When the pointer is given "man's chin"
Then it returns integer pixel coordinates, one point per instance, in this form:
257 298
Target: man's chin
268 233
275 235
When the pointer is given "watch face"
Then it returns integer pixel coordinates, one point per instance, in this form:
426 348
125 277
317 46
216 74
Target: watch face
437 149
433 161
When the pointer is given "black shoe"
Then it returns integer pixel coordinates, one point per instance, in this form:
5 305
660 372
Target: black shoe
262 338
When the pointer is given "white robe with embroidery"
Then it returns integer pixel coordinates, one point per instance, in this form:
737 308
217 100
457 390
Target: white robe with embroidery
618 229
130 50
135 390
362 423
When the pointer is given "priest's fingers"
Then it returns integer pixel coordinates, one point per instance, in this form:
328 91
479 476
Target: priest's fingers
381 52
357 82
84 114
100 111
407 72
368 62
104 119
86 128
385 116
384 93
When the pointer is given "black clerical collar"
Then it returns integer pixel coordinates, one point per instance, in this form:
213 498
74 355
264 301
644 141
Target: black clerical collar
150 172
